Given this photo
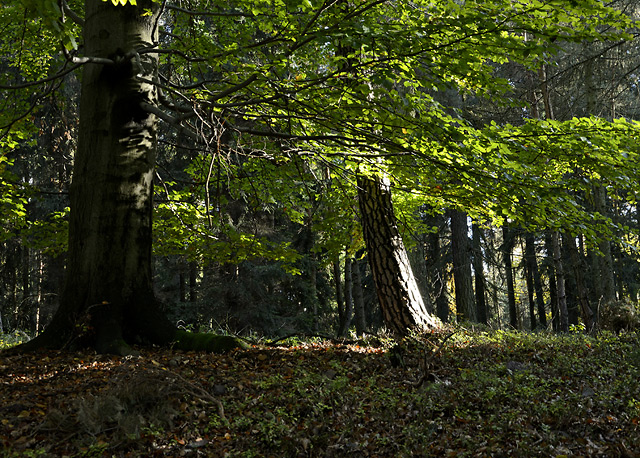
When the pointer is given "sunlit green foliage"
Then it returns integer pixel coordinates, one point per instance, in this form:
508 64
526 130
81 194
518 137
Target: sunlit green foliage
12 202
13 339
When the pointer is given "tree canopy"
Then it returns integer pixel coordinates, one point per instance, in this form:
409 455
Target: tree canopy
280 104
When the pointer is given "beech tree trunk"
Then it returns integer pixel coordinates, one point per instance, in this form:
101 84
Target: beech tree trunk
108 300
400 300
108 291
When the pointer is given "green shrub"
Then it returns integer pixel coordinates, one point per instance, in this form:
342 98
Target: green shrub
13 339
619 316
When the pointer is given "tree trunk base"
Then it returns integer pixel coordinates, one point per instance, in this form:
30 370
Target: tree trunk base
102 330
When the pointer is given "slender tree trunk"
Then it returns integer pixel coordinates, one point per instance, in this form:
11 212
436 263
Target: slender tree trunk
398 294
345 323
537 281
507 243
570 284
193 281
418 265
562 297
182 267
461 252
606 275
337 279
478 267
530 260
553 283
359 310
313 287
436 272
583 295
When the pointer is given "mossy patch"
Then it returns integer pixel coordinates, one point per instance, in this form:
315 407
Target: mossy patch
199 341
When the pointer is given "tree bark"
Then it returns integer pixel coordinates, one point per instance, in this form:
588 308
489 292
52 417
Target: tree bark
570 284
537 281
563 314
400 300
339 296
507 247
461 251
348 297
359 310
553 283
436 272
530 260
583 295
108 300
478 267
605 274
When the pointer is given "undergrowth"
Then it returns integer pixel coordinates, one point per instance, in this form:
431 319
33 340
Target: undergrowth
480 393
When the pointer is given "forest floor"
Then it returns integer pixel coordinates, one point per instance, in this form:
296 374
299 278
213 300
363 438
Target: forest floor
496 394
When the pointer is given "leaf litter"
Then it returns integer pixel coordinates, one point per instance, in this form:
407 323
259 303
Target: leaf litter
472 394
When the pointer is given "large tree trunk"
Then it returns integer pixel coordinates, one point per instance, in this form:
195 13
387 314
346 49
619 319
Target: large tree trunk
400 300
108 299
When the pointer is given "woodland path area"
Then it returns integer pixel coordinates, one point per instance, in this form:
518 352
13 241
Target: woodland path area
478 394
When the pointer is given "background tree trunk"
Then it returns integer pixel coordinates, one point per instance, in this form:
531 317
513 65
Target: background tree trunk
435 269
507 248
461 252
359 310
583 294
605 274
397 290
537 281
337 280
478 267
530 259
563 314
553 282
345 322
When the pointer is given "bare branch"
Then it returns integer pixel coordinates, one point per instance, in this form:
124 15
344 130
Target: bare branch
171 6
70 13
170 119
48 79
